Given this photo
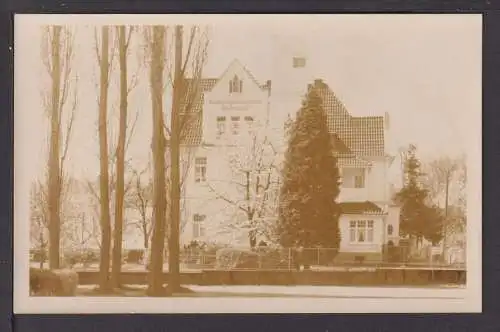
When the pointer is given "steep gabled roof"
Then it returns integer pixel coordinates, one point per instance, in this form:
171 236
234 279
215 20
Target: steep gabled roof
191 133
364 136
193 130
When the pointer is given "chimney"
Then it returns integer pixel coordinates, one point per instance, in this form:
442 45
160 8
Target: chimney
268 86
318 82
386 121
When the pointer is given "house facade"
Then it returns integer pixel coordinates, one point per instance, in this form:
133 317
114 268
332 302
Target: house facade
227 157
236 114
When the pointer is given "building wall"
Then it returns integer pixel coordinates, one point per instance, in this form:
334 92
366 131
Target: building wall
376 187
227 156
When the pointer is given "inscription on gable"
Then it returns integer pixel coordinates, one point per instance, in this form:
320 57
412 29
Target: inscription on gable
236 102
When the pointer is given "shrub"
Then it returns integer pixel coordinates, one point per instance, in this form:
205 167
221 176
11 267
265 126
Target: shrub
230 258
135 256
53 282
38 255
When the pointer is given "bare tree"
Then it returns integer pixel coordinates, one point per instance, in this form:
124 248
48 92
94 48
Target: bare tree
124 34
186 93
139 199
104 63
38 219
156 42
443 176
253 186
57 55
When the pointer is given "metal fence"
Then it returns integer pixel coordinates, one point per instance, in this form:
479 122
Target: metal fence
320 259
267 258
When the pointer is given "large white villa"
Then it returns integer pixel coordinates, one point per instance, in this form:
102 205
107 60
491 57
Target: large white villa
236 113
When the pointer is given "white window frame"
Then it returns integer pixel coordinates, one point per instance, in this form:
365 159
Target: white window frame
221 126
361 178
249 121
390 229
200 170
198 225
235 125
361 231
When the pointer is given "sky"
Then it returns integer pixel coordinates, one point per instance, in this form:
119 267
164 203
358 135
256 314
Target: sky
423 70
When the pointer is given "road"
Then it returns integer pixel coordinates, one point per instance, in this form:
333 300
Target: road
429 292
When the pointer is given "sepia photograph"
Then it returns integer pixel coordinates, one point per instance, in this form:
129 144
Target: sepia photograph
247 163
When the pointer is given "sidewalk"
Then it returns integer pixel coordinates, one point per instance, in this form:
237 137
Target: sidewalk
442 292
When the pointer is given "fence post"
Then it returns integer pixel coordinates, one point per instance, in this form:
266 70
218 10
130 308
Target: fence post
289 259
317 263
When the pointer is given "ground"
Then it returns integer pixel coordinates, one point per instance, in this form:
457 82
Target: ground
428 292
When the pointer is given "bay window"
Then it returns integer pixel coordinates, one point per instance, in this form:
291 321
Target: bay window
361 231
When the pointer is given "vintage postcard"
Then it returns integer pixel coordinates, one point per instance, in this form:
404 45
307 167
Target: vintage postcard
247 163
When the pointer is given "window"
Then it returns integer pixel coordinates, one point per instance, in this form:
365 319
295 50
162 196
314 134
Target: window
235 124
200 169
198 227
352 231
369 226
359 181
390 229
235 85
249 123
361 231
221 126
299 62
353 177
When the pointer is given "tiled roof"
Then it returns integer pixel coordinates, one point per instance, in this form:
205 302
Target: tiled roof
364 136
354 162
366 207
193 131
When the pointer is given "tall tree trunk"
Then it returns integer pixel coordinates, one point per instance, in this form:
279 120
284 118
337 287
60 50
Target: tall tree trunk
158 149
104 160
43 249
445 222
146 241
54 190
120 161
173 257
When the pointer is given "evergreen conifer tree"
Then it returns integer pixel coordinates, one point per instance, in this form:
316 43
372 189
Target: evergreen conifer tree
418 220
308 212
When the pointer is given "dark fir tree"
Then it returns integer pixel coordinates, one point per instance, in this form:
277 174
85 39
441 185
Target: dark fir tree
418 220
308 212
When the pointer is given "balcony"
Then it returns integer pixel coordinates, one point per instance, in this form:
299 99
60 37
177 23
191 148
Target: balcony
353 195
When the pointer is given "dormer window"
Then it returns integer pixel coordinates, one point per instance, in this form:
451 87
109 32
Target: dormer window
235 85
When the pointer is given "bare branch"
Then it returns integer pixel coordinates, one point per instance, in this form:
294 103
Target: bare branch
190 45
96 48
